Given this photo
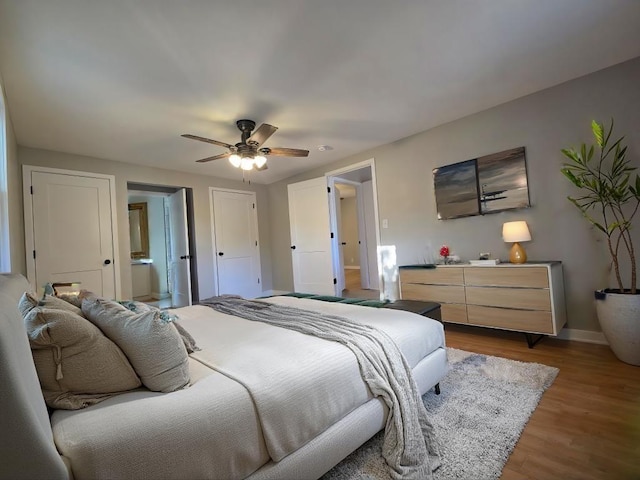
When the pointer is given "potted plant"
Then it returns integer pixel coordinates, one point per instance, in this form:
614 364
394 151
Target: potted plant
609 199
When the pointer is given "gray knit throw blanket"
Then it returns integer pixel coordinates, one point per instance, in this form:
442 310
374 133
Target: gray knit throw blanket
410 448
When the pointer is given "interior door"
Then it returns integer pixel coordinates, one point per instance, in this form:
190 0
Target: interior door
338 243
310 237
179 258
73 231
236 243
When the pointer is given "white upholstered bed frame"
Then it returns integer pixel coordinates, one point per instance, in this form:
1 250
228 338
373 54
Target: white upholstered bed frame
28 451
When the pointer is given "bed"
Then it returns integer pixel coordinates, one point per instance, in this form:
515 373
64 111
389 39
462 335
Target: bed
263 402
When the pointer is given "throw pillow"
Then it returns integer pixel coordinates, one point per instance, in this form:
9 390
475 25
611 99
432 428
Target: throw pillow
76 364
152 345
138 307
30 300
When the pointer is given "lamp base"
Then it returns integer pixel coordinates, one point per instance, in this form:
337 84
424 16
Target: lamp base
517 254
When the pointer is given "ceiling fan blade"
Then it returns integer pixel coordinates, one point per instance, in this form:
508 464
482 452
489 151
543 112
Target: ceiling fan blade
261 134
215 157
207 140
287 152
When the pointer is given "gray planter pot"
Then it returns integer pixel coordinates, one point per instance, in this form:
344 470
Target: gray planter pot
619 317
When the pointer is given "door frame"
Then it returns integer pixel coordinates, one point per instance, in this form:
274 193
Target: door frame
335 175
213 232
338 260
29 236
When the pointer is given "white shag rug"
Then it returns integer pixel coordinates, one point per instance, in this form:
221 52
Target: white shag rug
484 405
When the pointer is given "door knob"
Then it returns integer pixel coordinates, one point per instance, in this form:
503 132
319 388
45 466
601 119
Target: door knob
293 247
107 262
220 253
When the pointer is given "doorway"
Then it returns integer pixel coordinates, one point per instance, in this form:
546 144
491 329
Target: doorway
349 219
353 211
317 255
163 274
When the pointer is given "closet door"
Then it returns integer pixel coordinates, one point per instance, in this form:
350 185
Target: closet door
70 229
237 250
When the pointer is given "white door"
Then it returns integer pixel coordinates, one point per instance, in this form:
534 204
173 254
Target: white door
179 257
236 243
335 221
310 237
72 230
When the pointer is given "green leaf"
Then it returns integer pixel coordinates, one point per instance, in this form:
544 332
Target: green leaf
597 132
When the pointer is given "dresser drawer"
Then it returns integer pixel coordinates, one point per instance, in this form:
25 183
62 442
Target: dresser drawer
453 312
438 276
527 298
520 320
533 277
433 293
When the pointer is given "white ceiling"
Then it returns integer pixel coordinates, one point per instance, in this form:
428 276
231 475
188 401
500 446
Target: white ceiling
122 79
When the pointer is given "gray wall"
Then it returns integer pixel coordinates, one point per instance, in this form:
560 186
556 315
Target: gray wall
139 174
543 123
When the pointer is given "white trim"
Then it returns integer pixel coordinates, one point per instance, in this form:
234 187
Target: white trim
586 336
29 241
5 235
254 196
352 267
350 168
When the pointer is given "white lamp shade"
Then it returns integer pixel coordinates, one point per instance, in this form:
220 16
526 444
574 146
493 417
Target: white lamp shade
247 163
235 160
516 232
260 160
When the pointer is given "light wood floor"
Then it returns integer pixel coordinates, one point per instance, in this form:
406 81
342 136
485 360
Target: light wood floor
587 425
353 287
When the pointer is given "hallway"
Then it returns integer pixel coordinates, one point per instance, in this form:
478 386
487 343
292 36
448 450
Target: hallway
353 288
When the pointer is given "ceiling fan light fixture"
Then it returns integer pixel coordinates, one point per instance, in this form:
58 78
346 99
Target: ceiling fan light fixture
246 163
260 160
235 160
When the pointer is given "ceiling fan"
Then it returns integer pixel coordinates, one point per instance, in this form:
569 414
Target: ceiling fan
248 153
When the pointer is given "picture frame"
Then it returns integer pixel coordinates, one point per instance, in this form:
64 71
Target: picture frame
488 184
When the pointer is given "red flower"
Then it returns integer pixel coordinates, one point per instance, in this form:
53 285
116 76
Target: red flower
444 251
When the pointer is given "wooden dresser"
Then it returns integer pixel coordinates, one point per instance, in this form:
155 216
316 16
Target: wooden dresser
526 298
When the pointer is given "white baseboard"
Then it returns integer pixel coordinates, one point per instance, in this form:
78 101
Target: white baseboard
160 296
586 336
352 267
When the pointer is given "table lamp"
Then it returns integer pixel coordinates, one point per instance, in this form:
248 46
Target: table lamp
516 232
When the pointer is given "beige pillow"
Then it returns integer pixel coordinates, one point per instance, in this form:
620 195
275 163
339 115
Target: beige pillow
139 307
77 365
30 300
152 345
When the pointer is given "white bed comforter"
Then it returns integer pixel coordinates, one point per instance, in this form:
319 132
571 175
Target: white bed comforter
296 404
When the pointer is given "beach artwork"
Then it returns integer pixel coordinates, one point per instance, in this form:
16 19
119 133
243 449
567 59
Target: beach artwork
487 184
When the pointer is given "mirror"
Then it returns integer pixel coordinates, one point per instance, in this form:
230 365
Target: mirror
138 230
